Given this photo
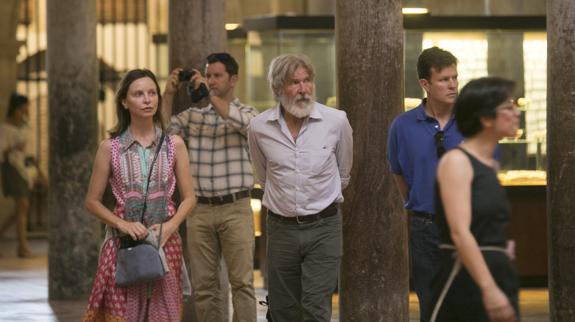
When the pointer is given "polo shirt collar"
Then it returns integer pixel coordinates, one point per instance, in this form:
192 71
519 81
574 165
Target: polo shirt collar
422 116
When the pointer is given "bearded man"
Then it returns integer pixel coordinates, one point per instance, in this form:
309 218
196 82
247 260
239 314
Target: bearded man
302 154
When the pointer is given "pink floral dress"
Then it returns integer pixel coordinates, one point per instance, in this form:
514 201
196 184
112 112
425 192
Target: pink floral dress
130 162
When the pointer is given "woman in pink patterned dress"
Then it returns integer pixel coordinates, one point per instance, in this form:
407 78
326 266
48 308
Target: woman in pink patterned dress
123 161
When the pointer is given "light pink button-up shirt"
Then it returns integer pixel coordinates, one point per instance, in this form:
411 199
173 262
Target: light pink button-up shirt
305 176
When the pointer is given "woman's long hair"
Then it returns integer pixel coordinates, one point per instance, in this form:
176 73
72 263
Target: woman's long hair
122 113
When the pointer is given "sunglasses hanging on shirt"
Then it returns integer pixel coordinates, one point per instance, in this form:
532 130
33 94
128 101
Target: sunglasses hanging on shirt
439 143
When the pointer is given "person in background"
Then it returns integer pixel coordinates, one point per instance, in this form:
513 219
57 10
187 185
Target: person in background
16 181
302 153
475 280
124 161
417 139
222 222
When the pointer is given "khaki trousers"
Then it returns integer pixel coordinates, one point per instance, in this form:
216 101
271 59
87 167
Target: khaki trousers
215 231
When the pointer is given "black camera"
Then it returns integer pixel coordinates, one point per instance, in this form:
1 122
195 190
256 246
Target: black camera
186 75
198 94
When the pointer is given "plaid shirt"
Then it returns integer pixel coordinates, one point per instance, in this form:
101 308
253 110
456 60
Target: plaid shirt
217 147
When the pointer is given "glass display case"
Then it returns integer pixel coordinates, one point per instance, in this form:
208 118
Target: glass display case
263 46
515 48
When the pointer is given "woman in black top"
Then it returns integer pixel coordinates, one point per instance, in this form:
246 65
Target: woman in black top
475 280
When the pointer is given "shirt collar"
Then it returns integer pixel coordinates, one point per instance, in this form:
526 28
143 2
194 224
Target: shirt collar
235 101
423 116
127 140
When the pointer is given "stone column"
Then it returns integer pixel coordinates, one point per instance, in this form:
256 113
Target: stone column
72 66
561 157
196 29
374 271
8 51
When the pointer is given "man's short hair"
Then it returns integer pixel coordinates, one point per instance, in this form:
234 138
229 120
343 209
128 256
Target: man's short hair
229 62
433 57
282 68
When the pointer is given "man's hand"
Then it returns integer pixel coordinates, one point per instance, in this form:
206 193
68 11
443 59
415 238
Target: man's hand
198 79
173 82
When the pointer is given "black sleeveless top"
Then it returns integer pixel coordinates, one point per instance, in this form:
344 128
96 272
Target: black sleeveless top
490 208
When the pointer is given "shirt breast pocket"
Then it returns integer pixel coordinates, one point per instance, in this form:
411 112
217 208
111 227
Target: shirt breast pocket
318 162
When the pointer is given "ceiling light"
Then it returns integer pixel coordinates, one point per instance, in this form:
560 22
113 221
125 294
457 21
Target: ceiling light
414 11
232 26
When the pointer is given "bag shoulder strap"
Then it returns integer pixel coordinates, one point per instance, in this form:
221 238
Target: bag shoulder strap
158 148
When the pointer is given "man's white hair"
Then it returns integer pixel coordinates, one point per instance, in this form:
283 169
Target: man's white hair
283 67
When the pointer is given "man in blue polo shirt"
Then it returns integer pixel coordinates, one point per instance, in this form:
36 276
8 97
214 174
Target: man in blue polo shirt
417 139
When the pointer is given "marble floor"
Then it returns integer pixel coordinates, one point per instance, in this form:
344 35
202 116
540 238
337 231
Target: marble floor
24 292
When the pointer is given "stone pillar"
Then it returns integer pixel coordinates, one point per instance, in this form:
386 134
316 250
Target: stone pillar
374 271
561 157
196 29
8 51
72 67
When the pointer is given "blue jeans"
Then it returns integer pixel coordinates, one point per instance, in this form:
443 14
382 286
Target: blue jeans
424 256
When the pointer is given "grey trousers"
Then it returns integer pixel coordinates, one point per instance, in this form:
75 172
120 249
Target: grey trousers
303 268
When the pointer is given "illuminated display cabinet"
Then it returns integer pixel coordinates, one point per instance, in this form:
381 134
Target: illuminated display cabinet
511 47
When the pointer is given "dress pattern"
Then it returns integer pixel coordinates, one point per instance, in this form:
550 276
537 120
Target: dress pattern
109 302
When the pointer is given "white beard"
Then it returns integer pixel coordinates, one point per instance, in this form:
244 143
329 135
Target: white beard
299 106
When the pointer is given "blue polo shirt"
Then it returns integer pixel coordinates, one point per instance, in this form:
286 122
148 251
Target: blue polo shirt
412 153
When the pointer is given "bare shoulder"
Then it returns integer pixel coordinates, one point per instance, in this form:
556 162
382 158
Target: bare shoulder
178 141
455 163
105 146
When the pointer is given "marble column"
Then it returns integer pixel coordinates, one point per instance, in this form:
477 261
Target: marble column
72 66
374 270
196 29
561 157
8 51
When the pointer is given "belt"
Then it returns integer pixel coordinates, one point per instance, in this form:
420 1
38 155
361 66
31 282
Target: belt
329 211
423 215
457 265
221 200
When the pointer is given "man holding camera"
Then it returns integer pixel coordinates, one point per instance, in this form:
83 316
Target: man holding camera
222 222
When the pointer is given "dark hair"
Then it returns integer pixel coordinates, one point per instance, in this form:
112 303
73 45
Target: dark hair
17 101
229 62
433 57
479 98
122 113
